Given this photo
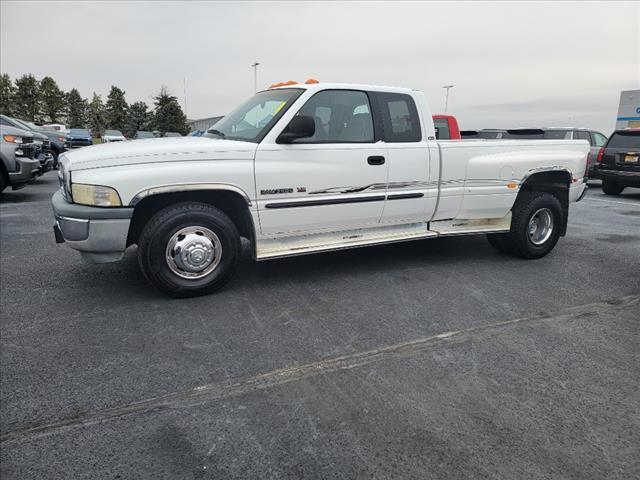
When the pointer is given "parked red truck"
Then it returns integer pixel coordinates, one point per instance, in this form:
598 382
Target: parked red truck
446 127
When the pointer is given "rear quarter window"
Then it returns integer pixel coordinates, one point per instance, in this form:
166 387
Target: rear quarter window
598 139
400 121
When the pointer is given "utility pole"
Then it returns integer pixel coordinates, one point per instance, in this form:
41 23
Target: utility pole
255 76
446 100
184 84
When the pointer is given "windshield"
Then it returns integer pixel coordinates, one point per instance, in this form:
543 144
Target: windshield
144 135
79 131
113 133
23 123
629 140
254 118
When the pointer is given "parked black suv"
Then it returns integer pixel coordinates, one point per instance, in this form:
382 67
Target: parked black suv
618 162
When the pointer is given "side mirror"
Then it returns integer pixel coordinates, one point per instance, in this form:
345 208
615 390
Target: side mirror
437 132
300 126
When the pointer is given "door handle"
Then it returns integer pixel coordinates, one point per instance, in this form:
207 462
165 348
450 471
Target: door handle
375 160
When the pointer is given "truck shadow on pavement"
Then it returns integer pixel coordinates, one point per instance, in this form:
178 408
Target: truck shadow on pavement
355 263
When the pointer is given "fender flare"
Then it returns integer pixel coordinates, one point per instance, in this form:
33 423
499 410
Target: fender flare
556 168
186 187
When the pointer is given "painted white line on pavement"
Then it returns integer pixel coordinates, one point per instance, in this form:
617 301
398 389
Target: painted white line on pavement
631 204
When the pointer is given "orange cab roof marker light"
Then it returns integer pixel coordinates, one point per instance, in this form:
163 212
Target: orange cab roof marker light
292 82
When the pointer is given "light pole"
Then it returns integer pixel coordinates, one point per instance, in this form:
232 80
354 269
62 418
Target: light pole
255 76
446 100
184 84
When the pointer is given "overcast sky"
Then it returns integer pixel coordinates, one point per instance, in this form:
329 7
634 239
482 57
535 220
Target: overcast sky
512 64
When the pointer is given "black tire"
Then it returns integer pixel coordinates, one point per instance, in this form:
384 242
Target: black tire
611 188
156 234
499 241
3 183
519 241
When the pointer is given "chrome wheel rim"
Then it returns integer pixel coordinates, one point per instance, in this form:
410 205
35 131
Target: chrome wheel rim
193 252
540 226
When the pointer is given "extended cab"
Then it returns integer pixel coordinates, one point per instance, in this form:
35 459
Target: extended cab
309 168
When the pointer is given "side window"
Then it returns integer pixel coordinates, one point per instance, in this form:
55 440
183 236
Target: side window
442 129
341 116
582 135
598 139
399 118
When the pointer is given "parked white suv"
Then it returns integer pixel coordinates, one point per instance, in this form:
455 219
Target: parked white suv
310 168
113 136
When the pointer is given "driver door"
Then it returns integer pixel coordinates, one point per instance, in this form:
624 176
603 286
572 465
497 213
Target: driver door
334 180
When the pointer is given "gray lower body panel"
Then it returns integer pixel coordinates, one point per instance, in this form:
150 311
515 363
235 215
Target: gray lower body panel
89 230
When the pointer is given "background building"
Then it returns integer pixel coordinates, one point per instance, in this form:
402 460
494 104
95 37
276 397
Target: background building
629 110
203 123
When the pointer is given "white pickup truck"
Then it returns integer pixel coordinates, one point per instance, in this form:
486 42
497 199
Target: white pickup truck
310 168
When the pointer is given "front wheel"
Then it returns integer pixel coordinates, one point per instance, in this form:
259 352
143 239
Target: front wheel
536 220
611 188
189 249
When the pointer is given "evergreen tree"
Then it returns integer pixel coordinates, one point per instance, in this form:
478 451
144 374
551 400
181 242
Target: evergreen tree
116 109
76 109
26 98
52 100
138 118
168 115
96 116
6 95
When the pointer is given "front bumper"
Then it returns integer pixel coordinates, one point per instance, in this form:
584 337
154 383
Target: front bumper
621 177
29 169
98 233
46 162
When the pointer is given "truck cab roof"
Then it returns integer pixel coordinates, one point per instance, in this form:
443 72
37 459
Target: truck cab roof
345 86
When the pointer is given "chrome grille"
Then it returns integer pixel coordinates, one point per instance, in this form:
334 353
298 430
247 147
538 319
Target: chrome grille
28 150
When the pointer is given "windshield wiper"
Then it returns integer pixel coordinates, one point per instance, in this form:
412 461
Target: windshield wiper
213 131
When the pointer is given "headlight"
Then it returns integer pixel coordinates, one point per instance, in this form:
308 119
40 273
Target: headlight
64 177
95 195
12 139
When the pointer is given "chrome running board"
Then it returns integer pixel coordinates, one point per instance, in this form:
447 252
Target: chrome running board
323 242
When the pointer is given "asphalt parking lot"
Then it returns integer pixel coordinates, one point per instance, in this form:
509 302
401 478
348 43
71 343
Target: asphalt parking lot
430 359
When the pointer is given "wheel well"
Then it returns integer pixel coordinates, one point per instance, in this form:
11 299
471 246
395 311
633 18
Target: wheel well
4 174
556 183
232 204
